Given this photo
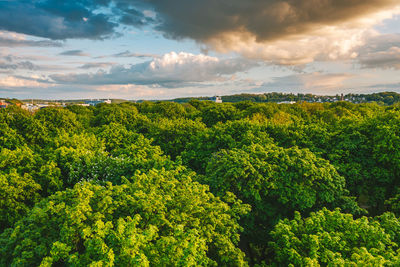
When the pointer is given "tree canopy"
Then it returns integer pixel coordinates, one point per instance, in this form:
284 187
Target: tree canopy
201 183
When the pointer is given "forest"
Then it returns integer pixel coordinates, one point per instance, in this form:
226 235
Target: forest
201 184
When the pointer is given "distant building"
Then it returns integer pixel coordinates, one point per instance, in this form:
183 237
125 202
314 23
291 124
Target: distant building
95 102
42 106
287 102
30 107
3 104
216 99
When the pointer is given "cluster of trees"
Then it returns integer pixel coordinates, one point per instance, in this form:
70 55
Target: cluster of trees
386 98
200 183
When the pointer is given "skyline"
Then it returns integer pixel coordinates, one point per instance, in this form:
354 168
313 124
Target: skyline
166 49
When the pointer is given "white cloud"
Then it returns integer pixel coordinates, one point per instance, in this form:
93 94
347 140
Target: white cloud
171 70
12 81
12 39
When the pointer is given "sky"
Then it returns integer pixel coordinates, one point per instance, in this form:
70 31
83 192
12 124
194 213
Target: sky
163 49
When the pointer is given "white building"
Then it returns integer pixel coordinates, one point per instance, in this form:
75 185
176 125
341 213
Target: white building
216 99
95 102
287 102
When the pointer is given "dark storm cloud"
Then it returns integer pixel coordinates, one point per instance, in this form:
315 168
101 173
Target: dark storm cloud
56 19
129 15
199 20
59 20
131 12
263 19
78 53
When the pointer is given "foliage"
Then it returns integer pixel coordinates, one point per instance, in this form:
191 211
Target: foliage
173 135
233 134
275 182
334 238
17 195
153 219
57 119
218 113
127 184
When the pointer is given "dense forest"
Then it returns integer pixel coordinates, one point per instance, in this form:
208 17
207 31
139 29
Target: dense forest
201 184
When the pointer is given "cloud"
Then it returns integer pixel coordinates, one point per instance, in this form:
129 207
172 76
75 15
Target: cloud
286 32
382 51
387 86
27 65
316 82
127 53
78 53
55 19
266 20
171 70
93 65
13 81
283 32
130 15
17 40
389 59
13 43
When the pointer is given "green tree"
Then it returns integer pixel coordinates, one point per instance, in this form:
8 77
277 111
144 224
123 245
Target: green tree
9 138
366 153
165 109
108 113
161 218
232 134
218 113
18 193
275 182
173 135
57 119
83 114
116 152
337 239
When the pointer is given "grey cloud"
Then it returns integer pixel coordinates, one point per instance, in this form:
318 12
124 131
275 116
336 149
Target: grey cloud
129 54
93 65
386 86
42 79
8 42
382 51
316 82
78 53
27 65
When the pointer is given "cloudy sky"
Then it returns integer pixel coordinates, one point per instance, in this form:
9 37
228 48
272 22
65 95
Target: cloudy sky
160 49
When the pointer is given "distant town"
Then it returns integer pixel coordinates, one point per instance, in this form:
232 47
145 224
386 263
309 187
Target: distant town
384 98
34 105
